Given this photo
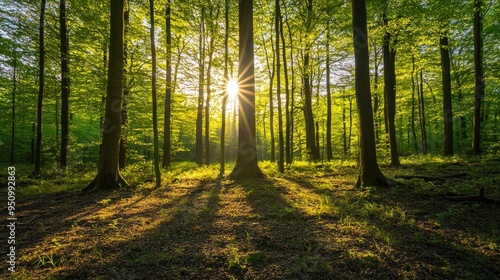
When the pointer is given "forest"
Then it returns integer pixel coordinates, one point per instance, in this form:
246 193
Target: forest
250 139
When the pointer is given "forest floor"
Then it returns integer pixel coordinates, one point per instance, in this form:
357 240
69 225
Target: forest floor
309 223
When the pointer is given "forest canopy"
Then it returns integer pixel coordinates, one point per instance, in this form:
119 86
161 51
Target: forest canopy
316 89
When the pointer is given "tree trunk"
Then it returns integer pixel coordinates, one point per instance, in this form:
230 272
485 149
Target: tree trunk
108 176
271 69
224 98
329 153
414 134
281 160
421 100
153 95
65 82
41 84
390 93
447 105
167 123
369 172
199 118
122 162
13 125
246 162
308 114
288 152
478 74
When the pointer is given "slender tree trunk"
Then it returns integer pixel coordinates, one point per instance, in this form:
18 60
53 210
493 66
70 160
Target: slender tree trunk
199 118
246 162
423 129
478 73
288 152
41 84
369 172
122 162
376 97
281 160
167 124
226 80
13 125
292 92
344 134
271 67
108 176
414 134
390 93
350 127
65 81
329 153
447 105
153 93
32 150
308 114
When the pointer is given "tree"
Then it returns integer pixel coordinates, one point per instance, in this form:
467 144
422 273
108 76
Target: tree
390 92
226 80
41 84
281 160
369 172
246 162
306 82
478 74
153 94
65 82
329 153
447 106
109 176
167 124
201 63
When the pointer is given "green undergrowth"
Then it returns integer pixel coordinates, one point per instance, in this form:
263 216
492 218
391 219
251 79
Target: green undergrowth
308 223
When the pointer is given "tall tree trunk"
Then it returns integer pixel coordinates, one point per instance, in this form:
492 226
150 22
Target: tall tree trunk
308 114
65 82
199 118
390 93
369 172
423 129
376 97
271 70
13 124
478 74
329 153
246 162
414 134
153 93
344 133
41 84
281 160
122 162
288 152
226 80
292 92
447 106
167 124
108 176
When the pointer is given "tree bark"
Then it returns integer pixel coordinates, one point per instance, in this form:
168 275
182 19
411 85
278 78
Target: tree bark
65 82
108 176
390 93
153 95
41 84
271 69
423 128
281 160
414 134
288 152
478 74
224 98
167 123
447 105
369 172
246 162
199 118
308 114
122 162
329 152
13 124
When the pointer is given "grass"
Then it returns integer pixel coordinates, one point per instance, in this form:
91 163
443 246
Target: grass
309 223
